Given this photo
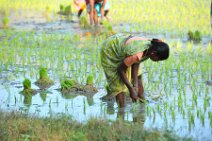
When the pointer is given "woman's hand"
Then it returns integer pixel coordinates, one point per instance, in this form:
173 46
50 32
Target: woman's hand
133 94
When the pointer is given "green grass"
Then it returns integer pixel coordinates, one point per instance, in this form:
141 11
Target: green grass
157 16
17 126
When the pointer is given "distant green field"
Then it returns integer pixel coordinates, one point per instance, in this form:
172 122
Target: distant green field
157 16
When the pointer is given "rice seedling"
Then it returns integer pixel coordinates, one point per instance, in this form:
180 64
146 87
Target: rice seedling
84 23
61 7
44 81
67 84
194 36
192 118
15 99
27 87
84 106
50 102
205 104
57 101
89 80
154 115
180 102
202 117
210 117
194 98
67 10
6 21
66 107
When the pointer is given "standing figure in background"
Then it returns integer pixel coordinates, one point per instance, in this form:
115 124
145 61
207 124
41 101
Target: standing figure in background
97 8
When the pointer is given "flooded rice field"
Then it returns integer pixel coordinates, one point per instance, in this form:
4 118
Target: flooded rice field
178 91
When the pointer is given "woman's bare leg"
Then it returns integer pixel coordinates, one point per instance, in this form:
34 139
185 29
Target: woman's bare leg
120 99
95 17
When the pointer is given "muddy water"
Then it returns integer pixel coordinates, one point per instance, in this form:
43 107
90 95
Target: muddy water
51 102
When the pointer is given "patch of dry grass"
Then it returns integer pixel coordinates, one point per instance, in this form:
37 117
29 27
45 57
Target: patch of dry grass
16 126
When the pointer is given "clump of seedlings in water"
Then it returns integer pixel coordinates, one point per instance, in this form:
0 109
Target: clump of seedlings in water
27 87
65 10
69 86
44 81
89 87
108 28
194 36
61 7
5 21
84 22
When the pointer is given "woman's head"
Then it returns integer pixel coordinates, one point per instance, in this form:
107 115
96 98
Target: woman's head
158 50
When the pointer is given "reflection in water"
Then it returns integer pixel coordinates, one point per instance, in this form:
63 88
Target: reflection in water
110 104
110 108
43 96
138 114
27 99
69 96
90 100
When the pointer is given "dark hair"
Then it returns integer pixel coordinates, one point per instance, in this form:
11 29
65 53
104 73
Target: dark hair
161 48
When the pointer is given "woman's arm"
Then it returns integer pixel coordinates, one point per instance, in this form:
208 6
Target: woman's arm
133 61
122 73
134 74
140 88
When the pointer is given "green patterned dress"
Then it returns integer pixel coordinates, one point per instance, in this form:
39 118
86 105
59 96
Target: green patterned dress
113 52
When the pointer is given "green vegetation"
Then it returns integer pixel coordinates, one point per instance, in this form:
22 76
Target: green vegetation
44 81
108 26
89 80
27 84
178 85
65 10
156 16
27 87
16 126
194 36
43 73
68 84
61 7
84 22
6 22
